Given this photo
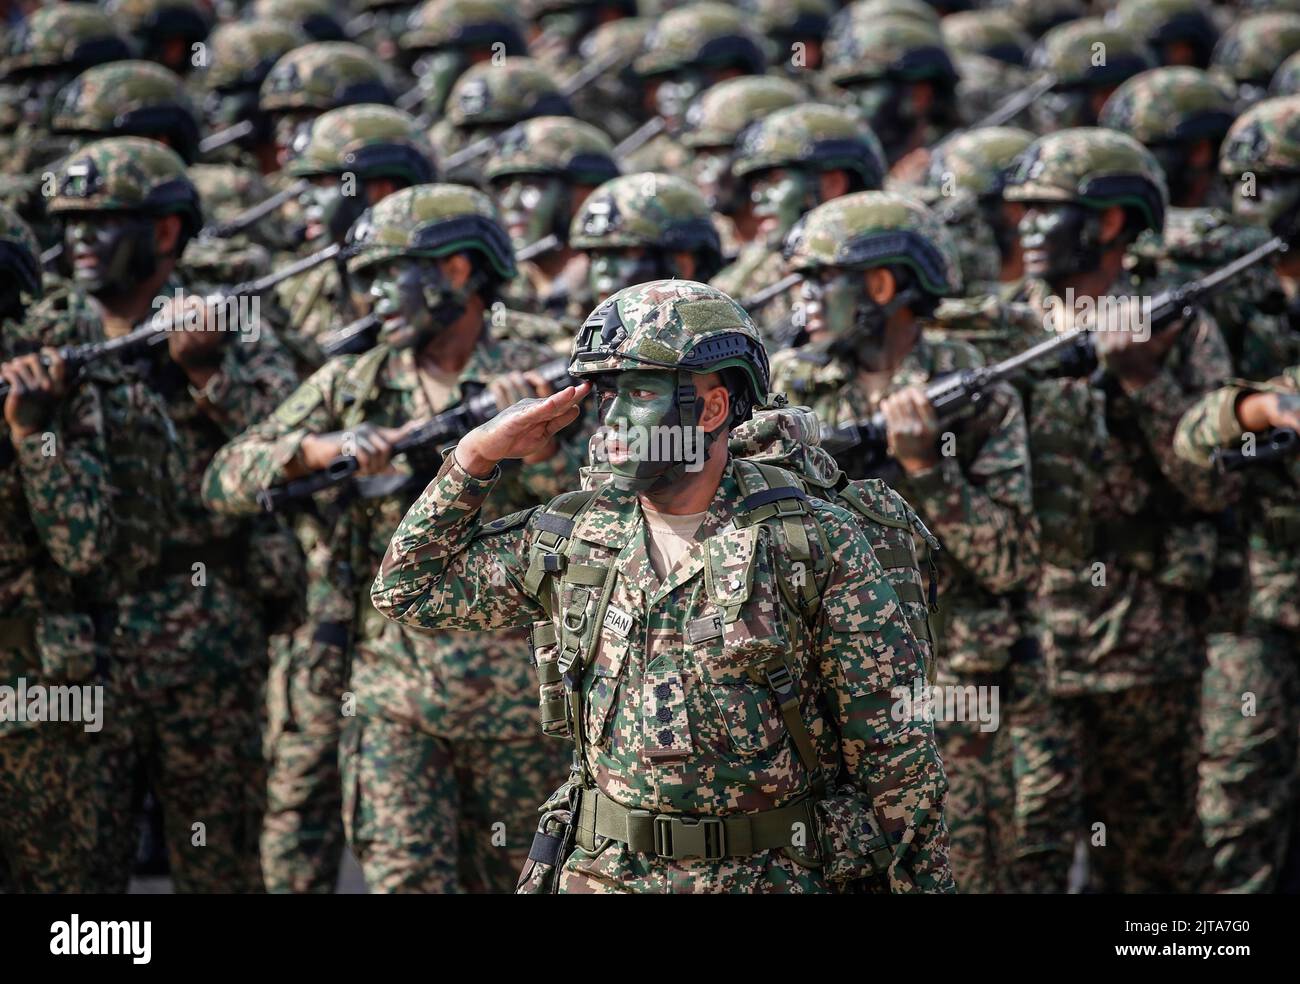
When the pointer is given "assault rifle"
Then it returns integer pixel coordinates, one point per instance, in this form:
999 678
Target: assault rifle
1273 445
954 393
639 137
215 141
251 216
443 428
155 332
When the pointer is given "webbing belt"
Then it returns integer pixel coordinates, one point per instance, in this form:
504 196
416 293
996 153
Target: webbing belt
671 835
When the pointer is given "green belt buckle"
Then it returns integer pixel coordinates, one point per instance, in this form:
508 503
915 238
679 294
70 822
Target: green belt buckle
690 837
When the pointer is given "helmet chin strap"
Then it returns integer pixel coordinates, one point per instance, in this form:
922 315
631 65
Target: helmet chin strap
658 475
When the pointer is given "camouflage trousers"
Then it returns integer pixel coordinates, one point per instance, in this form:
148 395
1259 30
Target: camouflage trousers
1137 750
302 831
612 868
980 805
199 745
429 814
47 823
1046 772
1250 717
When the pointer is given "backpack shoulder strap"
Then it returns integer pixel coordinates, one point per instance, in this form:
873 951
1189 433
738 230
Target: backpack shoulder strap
357 384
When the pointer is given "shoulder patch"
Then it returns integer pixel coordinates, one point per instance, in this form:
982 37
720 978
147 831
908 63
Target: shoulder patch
300 404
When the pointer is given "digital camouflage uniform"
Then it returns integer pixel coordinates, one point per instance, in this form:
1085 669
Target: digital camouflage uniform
675 688
657 213
187 647
1123 584
487 99
59 530
442 762
539 174
977 501
684 52
805 141
1246 799
1248 772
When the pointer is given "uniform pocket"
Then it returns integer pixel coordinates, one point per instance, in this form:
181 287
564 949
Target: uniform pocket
750 715
602 686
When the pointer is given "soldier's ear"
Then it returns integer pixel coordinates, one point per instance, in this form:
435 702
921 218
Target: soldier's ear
166 234
881 285
1112 224
716 398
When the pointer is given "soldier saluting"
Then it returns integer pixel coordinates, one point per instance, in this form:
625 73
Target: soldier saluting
728 644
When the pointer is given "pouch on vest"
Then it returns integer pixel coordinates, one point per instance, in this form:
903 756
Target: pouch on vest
551 697
551 845
67 646
855 852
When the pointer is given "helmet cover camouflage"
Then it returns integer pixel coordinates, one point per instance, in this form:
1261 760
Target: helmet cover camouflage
646 210
324 75
696 35
507 91
370 141
559 145
130 98
816 136
896 47
977 161
1264 140
721 111
68 36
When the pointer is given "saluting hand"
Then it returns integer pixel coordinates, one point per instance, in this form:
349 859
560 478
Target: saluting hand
524 430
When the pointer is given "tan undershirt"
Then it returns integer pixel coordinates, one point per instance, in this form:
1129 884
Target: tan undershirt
437 386
668 537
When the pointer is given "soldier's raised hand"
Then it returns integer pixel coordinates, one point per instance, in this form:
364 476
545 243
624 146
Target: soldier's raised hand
912 427
524 430
35 389
1260 411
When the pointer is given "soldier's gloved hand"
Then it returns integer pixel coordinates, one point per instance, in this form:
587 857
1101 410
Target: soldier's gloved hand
35 390
1260 411
371 445
524 430
913 429
1128 347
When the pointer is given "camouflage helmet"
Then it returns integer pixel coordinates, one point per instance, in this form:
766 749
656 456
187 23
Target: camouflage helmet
977 161
993 33
1172 104
241 53
701 35
722 111
1091 166
784 21
559 145
324 75
1068 52
872 10
877 228
130 98
1040 16
1286 81
678 325
431 220
1264 140
649 210
368 140
509 91
67 36
20 253
815 136
1164 22
127 174
1251 51
895 47
438 24
152 21
315 18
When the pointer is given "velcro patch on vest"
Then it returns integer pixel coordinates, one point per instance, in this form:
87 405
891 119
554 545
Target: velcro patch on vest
703 629
618 621
665 729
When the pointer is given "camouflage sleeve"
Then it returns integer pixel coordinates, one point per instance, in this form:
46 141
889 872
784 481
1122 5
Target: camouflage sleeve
258 458
66 484
255 377
445 570
983 513
1211 422
867 654
1163 402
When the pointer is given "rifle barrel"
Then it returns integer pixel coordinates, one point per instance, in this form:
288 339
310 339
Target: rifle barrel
477 149
639 137
543 245
761 298
215 141
249 216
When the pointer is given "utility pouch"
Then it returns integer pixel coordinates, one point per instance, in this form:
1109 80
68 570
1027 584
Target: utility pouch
67 646
552 843
855 852
552 699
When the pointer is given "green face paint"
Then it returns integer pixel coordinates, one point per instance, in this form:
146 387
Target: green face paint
410 298
530 206
610 270
780 196
643 437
